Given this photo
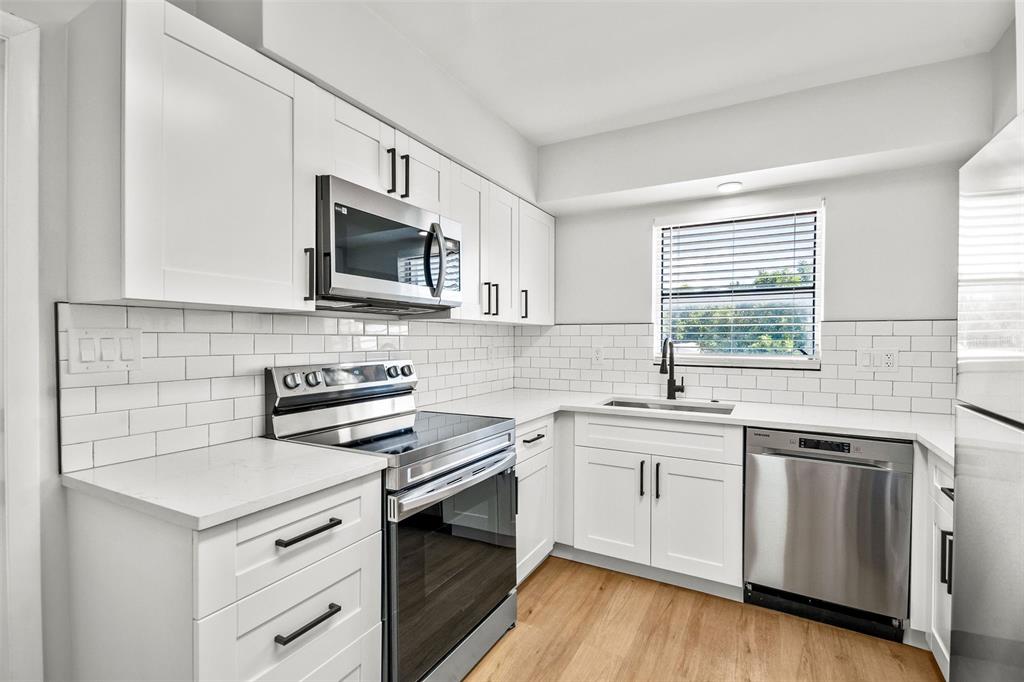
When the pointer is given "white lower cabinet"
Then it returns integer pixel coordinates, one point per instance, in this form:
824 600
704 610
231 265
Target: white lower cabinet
674 513
612 504
292 592
264 636
941 540
535 522
697 519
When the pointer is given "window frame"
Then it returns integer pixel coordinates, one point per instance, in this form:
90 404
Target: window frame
811 362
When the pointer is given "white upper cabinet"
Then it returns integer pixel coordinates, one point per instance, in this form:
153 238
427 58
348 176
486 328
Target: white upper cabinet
424 175
363 149
468 206
536 245
185 182
498 258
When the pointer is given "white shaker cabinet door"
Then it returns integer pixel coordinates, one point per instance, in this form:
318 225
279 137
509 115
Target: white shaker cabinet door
697 519
535 295
612 503
363 149
469 195
497 255
424 175
209 167
535 522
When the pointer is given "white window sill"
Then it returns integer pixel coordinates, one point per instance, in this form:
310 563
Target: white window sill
805 363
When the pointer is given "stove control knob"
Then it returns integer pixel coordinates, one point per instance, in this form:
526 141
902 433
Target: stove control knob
291 380
313 379
406 370
392 372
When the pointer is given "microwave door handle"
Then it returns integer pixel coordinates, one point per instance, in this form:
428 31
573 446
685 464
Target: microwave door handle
442 259
428 276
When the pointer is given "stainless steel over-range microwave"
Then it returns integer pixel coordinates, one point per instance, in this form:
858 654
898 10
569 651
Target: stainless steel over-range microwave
377 254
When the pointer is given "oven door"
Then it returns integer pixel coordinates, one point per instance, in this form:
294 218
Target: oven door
451 561
379 248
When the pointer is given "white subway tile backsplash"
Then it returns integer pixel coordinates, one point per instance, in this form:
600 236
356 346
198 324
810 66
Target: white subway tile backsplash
206 368
170 345
76 401
76 457
208 321
157 418
92 427
125 396
123 449
155 319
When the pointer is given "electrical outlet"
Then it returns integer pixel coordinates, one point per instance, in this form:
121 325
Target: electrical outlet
492 352
597 358
886 360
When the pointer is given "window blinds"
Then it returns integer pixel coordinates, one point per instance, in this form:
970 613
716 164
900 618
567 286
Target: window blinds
741 287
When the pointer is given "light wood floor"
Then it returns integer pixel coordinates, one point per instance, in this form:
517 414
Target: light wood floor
579 622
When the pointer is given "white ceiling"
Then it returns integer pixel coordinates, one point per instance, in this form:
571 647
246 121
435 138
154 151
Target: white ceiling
558 70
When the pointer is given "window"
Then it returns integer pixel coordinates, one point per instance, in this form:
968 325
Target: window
741 292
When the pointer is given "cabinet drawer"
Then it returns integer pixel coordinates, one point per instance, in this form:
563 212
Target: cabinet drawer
237 559
670 438
342 592
534 437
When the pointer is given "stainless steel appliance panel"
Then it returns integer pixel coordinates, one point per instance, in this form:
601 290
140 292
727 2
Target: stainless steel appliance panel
990 319
375 248
831 530
987 638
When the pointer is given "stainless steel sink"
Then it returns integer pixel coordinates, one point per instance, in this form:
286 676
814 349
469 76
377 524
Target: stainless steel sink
675 406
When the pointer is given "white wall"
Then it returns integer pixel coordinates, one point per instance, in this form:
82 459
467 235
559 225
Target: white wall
1004 78
350 49
927 114
890 248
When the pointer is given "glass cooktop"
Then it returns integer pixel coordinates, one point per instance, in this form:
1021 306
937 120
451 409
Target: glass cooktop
413 432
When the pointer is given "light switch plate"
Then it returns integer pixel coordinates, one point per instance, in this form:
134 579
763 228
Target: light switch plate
104 350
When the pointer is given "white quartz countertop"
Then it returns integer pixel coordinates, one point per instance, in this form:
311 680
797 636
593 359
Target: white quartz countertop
209 486
933 431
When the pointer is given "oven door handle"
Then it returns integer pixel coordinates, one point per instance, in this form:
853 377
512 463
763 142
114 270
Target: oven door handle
408 503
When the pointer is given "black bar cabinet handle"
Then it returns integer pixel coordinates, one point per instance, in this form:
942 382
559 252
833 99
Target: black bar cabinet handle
488 285
657 480
285 640
642 462
943 559
948 492
516 493
497 304
394 170
536 438
311 286
949 568
405 159
331 523
526 304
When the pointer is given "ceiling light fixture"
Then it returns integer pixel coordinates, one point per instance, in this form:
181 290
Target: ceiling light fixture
730 187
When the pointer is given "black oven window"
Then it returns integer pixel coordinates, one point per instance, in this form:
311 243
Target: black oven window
453 562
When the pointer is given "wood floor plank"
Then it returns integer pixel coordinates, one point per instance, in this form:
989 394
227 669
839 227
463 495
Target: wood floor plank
580 622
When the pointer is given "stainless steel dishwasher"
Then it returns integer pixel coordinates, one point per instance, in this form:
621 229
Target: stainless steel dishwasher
827 528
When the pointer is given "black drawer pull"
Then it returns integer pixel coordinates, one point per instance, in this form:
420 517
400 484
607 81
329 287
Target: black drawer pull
642 477
948 492
331 523
944 536
534 439
657 480
285 640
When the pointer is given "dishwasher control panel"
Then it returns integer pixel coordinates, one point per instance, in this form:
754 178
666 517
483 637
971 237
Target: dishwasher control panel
827 445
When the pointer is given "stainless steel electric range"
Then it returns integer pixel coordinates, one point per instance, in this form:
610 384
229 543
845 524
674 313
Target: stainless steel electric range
451 498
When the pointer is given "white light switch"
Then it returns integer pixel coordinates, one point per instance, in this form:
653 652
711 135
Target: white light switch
104 350
87 350
127 349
